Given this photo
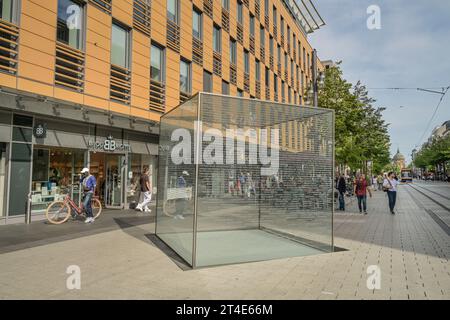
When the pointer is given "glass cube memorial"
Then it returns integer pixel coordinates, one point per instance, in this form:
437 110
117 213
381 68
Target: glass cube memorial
244 180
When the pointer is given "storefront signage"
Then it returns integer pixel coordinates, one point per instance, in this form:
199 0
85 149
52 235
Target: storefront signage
40 130
108 145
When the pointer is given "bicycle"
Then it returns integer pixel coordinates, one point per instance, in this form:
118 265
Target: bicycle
59 212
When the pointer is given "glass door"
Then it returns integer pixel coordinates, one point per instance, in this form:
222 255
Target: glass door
113 181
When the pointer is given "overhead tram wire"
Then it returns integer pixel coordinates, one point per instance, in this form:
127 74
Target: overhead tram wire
434 114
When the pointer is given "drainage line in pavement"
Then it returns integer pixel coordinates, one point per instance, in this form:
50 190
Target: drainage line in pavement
433 215
432 191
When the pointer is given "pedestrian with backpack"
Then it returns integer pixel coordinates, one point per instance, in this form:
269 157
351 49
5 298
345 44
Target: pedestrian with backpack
361 190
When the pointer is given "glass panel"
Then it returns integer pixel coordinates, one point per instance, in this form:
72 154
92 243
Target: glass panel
257 70
233 51
176 180
156 71
226 4
246 62
267 80
70 23
172 10
271 46
6 10
19 184
262 37
197 25
207 82
119 49
216 39
240 93
113 180
22 134
252 25
240 15
275 18
185 77
3 161
23 121
248 209
225 88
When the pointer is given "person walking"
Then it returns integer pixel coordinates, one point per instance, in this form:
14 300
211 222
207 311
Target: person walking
342 188
181 202
361 189
390 186
88 183
146 190
380 182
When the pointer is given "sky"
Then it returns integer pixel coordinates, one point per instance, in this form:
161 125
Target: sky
410 50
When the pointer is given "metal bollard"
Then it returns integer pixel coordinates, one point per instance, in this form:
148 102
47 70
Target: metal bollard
28 213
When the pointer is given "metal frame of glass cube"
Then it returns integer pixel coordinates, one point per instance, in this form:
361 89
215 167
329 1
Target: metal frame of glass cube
219 183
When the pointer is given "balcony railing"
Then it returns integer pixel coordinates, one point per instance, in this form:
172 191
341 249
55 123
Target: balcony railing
233 74
279 70
9 46
271 62
267 93
262 54
240 33
225 20
258 89
217 64
104 5
246 82
184 96
157 96
173 36
142 16
266 21
252 44
257 9
69 67
208 8
246 3
197 51
120 84
275 31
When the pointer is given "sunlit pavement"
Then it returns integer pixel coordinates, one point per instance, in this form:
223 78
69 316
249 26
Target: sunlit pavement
118 260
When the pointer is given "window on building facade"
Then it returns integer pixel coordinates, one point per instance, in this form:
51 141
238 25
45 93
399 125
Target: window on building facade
252 25
282 25
233 51
275 18
226 4
283 96
271 45
69 30
288 35
267 77
217 39
285 61
257 71
120 46
157 63
266 7
185 76
225 87
207 81
197 24
246 62
240 15
278 54
262 36
275 84
173 10
240 93
9 10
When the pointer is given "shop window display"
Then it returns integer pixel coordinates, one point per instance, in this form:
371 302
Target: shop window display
55 173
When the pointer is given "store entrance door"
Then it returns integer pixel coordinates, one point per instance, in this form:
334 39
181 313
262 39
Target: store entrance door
113 190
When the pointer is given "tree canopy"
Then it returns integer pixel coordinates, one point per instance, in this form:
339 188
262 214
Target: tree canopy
361 132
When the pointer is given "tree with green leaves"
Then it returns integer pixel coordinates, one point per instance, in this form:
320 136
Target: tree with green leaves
360 130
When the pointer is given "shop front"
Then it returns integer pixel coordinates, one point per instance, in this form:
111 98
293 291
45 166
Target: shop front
42 158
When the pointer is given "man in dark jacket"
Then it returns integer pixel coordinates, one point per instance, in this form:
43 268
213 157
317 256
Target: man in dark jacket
341 186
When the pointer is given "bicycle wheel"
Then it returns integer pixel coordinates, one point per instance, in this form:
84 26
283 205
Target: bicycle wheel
58 212
96 207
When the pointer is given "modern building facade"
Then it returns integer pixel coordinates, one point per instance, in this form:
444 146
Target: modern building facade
85 82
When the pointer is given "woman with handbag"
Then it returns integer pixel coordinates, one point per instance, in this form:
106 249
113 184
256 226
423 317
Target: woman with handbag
390 186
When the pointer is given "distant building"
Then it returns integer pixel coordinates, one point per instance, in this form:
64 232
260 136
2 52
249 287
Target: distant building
399 160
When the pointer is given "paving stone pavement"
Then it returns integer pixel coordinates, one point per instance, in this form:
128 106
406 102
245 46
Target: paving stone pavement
410 248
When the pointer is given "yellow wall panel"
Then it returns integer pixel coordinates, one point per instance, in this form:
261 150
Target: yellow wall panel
97 77
7 80
39 43
36 72
35 87
38 27
36 57
118 107
96 90
68 95
96 102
